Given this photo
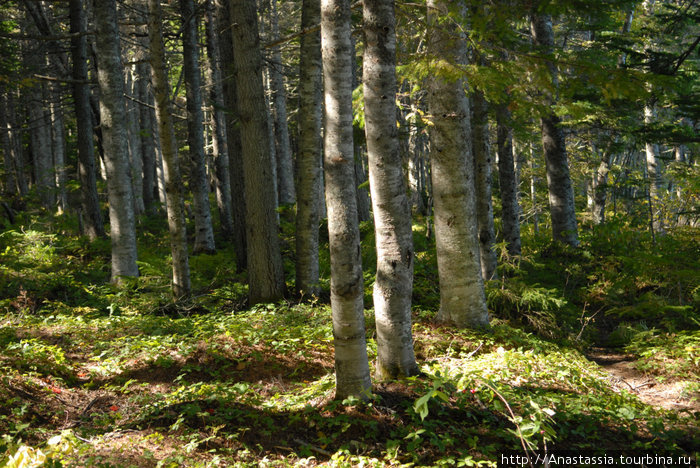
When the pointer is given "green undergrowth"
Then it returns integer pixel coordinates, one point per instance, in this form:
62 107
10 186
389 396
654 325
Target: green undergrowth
98 375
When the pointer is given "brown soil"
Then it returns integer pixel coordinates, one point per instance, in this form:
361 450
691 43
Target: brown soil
668 394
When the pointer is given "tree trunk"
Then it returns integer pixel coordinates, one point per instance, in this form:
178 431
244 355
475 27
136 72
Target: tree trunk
309 155
233 134
653 174
40 146
462 297
10 155
148 148
265 274
510 212
561 192
361 189
204 232
392 216
92 216
351 363
482 181
58 147
135 151
168 143
599 184
283 151
114 133
222 175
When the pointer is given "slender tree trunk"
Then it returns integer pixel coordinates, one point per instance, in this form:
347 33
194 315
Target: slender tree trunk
168 143
40 146
561 192
600 188
148 148
11 188
462 297
233 134
482 181
392 216
309 155
114 133
135 151
510 212
58 147
653 174
204 231
265 274
283 150
416 168
92 216
222 178
361 189
351 362
533 192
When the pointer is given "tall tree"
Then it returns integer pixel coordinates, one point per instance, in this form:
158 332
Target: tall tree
283 150
309 155
233 133
265 274
204 232
482 184
510 211
90 203
168 143
392 215
561 193
114 133
351 364
462 297
222 174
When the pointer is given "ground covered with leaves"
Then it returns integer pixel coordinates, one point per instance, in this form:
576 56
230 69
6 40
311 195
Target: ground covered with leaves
593 350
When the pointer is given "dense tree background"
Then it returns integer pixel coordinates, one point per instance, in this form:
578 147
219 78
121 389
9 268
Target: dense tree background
214 198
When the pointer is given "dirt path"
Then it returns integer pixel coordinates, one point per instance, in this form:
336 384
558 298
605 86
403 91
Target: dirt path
623 375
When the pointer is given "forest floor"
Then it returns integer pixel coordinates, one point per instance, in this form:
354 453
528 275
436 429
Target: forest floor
624 375
594 350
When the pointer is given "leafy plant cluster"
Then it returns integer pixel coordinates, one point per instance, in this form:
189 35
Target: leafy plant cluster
106 376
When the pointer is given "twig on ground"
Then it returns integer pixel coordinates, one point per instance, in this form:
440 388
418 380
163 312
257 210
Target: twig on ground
314 448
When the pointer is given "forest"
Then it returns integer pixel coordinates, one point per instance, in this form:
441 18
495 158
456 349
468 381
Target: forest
349 233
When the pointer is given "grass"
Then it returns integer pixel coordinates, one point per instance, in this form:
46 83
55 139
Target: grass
94 375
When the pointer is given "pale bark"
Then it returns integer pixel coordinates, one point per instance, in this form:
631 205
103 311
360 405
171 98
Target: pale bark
148 146
510 211
392 216
222 175
135 150
91 214
309 155
265 273
171 170
58 147
351 362
462 297
114 134
599 186
233 134
561 192
653 174
533 192
482 185
283 150
204 231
